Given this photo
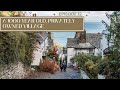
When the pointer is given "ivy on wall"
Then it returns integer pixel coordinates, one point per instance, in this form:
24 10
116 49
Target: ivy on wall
16 46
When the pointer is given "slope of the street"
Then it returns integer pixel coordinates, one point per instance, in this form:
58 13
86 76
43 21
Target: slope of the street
69 74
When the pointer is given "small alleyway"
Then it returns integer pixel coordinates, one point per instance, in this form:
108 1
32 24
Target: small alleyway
69 74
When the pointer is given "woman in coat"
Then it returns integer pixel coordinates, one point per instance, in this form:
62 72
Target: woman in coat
61 65
64 65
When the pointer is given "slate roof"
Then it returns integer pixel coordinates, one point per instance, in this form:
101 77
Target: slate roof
39 38
92 40
84 45
71 42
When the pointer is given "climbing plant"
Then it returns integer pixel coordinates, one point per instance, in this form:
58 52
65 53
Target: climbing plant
114 50
16 46
89 63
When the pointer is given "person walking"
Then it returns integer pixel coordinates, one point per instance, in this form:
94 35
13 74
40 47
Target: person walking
61 65
64 65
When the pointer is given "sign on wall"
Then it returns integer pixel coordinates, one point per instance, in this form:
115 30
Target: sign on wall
42 23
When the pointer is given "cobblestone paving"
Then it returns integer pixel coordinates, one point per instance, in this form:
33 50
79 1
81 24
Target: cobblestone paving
69 74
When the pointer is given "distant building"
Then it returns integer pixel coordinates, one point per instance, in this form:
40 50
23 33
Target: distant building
74 48
42 45
64 50
65 53
94 39
88 43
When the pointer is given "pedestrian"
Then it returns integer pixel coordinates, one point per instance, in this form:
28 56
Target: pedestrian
61 65
64 65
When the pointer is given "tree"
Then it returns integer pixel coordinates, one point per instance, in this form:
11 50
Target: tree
16 46
114 37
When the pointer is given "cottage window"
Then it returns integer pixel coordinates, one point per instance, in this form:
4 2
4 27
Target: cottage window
90 50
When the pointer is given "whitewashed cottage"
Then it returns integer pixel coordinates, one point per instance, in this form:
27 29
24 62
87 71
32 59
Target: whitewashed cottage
41 47
88 43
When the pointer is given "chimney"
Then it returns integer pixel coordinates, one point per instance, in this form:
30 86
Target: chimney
82 38
98 32
49 33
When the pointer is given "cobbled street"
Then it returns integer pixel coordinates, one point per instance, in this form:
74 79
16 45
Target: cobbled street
69 74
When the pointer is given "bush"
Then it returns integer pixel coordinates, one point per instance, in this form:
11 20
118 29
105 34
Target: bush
89 63
92 69
16 46
80 59
51 55
103 66
47 66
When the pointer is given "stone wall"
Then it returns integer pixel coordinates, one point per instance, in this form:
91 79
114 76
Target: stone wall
14 71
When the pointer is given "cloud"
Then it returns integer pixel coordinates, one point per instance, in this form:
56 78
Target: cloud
96 16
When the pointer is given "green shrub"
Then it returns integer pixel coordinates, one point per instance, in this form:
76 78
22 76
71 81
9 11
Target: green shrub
91 68
16 46
80 59
89 63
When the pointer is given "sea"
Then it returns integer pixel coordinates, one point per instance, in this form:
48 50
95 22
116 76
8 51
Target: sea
90 27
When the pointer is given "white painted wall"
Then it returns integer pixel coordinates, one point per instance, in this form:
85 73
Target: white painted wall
37 55
70 54
42 47
96 52
38 52
46 43
82 50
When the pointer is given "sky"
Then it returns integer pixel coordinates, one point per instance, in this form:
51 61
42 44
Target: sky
61 37
92 16
92 21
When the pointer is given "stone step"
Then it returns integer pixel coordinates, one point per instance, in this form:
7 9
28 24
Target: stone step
83 75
